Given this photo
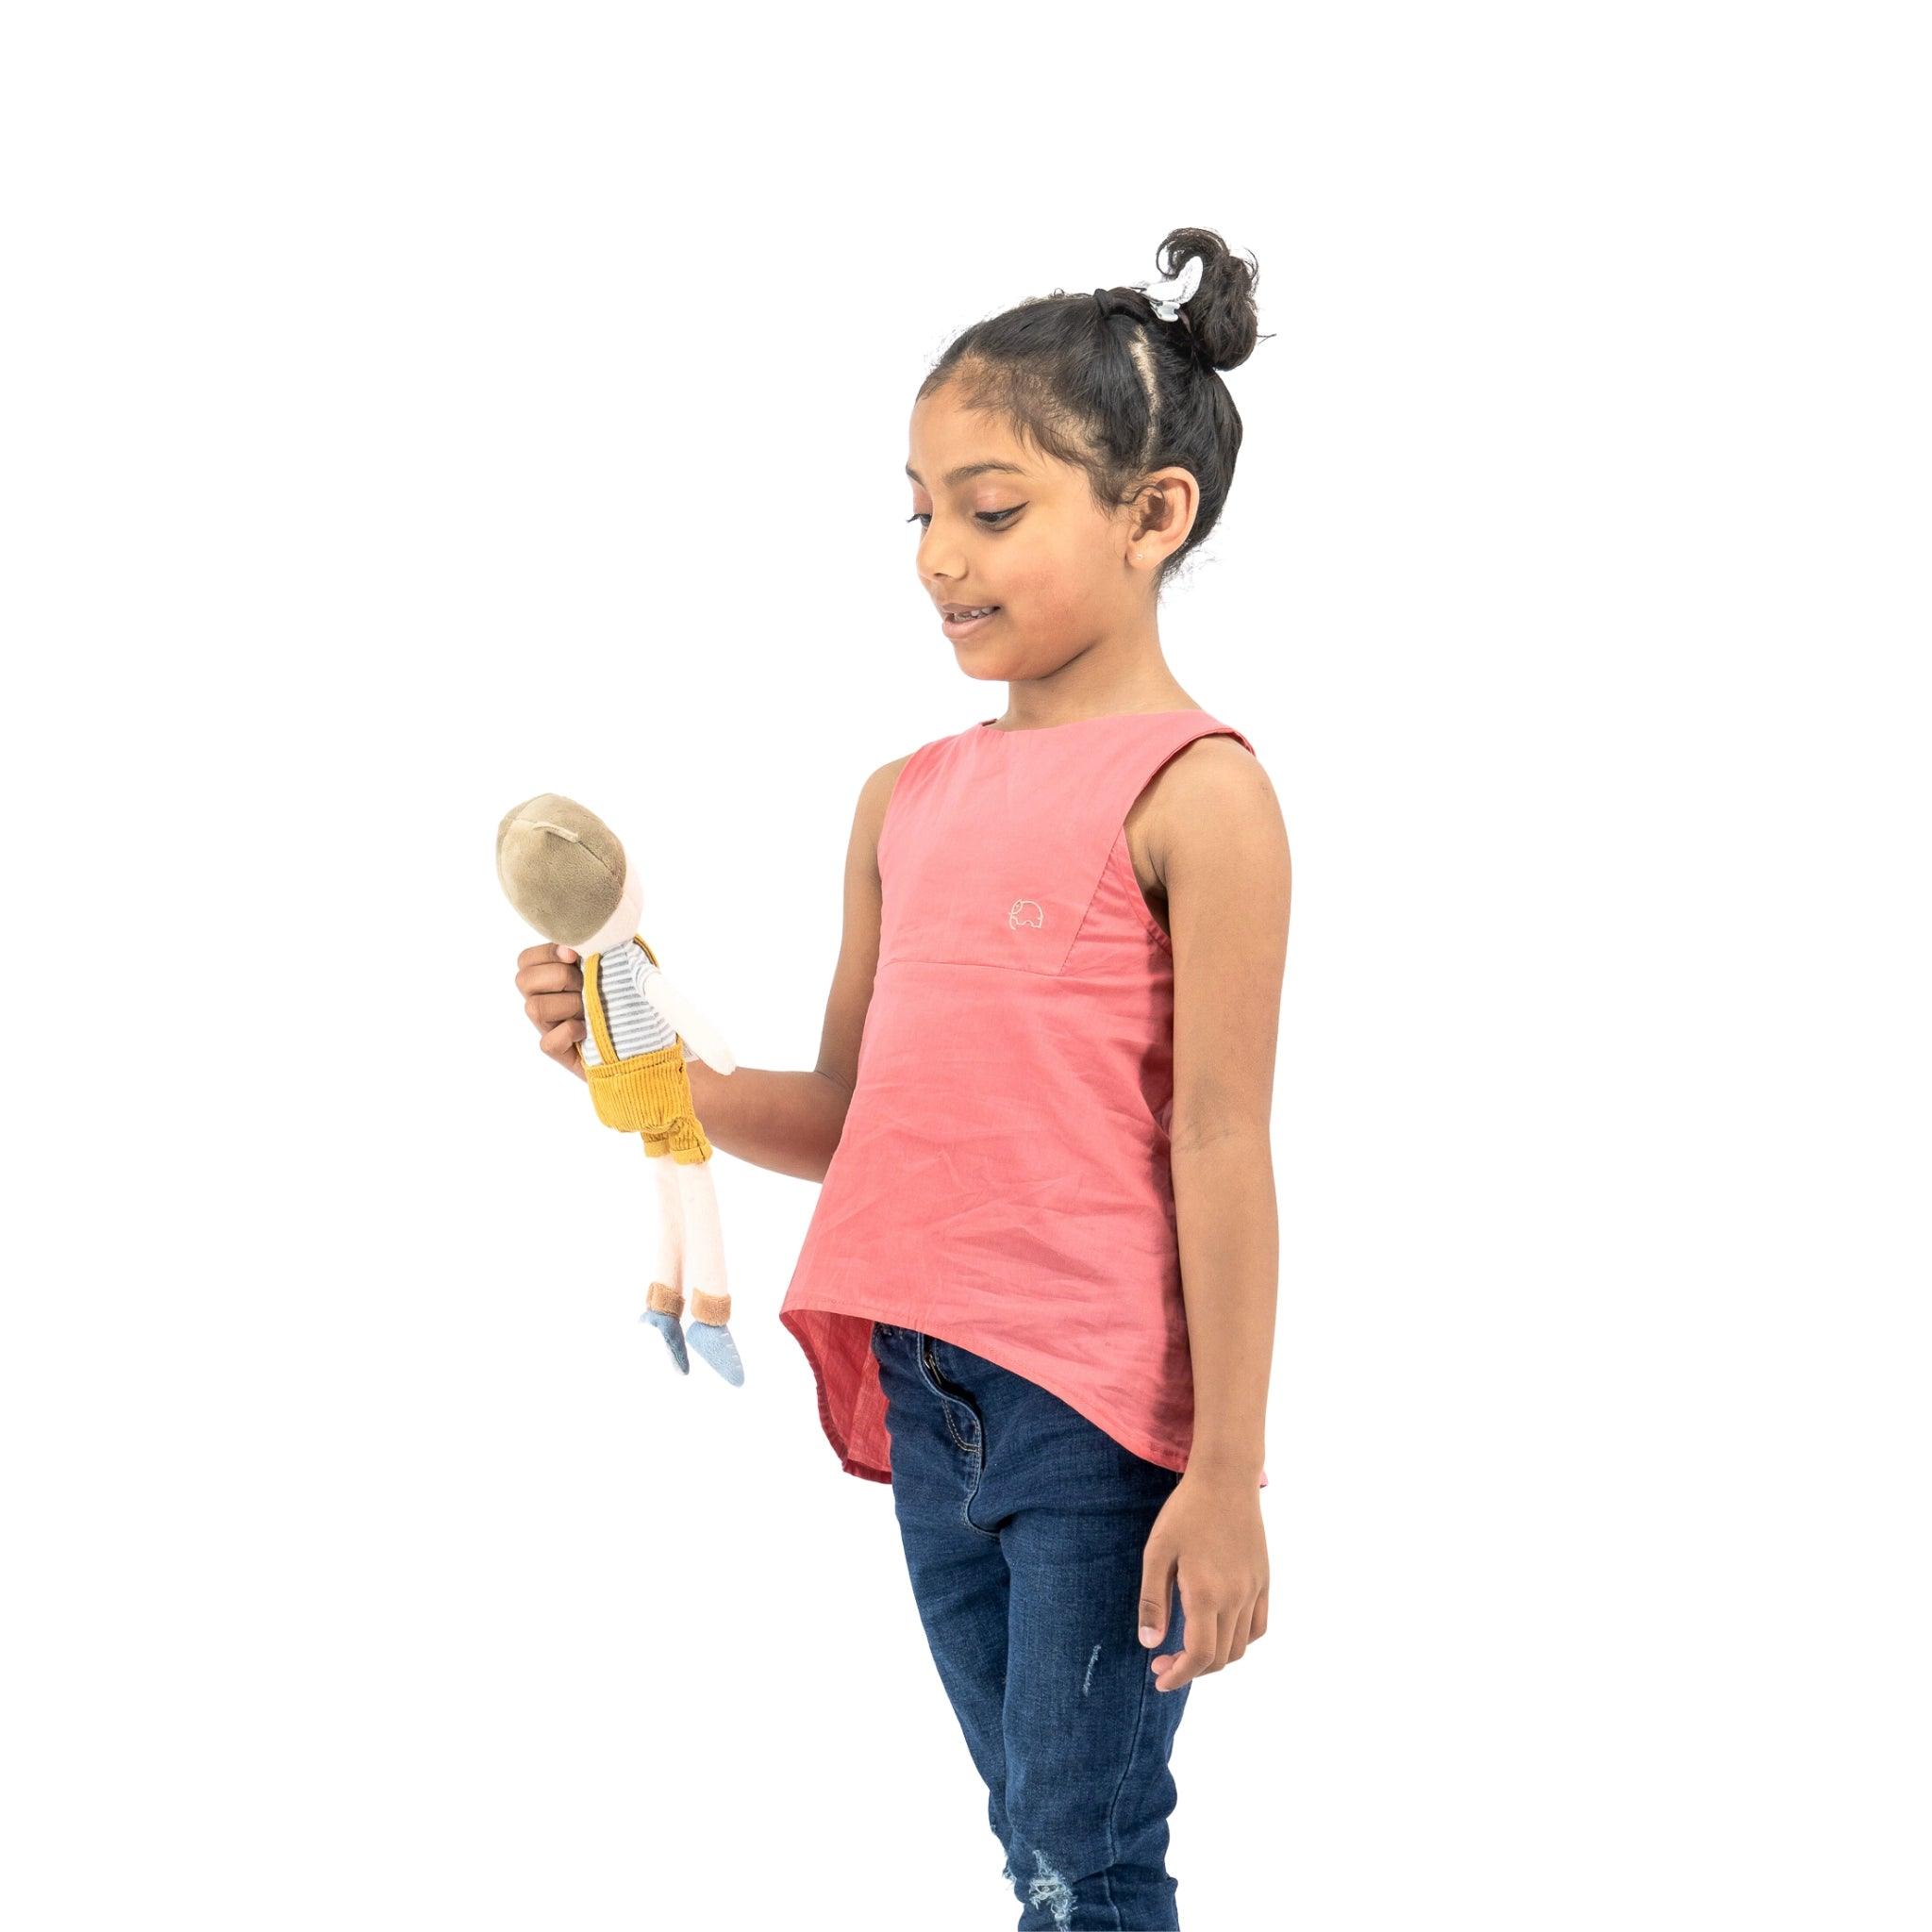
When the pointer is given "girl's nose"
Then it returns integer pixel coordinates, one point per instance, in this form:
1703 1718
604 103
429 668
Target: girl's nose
940 563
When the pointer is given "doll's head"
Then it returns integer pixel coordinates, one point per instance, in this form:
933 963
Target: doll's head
1068 454
565 873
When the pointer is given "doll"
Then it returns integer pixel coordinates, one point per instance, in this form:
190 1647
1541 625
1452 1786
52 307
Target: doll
565 873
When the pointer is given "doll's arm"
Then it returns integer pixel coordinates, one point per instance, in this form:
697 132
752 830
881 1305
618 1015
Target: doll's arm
698 1033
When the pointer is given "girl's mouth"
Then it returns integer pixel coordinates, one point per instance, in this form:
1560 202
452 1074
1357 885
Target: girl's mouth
961 623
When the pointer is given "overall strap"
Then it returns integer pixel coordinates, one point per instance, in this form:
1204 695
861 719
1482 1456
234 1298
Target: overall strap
594 1009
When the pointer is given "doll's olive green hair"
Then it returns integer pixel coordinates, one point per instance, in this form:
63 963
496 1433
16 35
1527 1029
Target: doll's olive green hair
562 866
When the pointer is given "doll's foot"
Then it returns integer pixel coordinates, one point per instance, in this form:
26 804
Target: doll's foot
666 1305
712 1340
709 1337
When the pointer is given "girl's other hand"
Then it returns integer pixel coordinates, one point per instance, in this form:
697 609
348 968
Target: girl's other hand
552 984
1209 1537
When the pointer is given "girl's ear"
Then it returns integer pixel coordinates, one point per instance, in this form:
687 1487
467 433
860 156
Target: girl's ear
1162 515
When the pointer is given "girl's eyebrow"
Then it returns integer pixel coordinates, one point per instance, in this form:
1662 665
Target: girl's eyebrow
966 470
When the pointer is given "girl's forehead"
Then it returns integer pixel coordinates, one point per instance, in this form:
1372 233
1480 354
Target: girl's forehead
945 418
945 438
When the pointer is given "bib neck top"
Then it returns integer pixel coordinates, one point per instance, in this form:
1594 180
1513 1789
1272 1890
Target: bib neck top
1002 1179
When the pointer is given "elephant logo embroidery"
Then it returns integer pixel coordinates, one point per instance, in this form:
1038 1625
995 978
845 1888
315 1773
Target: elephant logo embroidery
1026 912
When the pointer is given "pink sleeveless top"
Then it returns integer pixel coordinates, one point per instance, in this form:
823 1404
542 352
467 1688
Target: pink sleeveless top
1002 1181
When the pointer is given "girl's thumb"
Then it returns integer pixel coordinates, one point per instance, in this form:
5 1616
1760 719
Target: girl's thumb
1156 1593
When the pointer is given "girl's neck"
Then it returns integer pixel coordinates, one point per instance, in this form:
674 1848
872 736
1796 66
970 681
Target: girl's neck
1037 704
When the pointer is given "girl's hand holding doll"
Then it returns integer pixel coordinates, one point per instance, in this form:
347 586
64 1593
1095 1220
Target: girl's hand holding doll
552 984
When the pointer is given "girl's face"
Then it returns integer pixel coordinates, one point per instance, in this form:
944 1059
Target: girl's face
1026 570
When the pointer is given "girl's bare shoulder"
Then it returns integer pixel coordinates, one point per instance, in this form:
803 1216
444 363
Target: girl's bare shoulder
1206 788
868 815
1212 767
877 793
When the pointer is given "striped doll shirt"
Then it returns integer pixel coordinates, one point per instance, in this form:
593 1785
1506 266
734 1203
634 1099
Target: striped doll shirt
636 1026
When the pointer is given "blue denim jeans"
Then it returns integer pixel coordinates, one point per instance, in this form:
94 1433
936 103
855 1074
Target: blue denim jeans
1025 1526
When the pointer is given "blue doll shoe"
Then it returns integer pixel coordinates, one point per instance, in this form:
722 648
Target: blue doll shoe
667 1327
712 1341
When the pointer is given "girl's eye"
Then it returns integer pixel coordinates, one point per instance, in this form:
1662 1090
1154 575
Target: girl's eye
993 519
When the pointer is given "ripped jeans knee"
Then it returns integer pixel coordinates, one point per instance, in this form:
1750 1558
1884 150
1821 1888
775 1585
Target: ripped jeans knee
1045 1887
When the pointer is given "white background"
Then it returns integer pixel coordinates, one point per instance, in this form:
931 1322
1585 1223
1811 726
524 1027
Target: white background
410 409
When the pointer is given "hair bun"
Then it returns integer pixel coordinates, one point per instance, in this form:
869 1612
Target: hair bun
1130 302
1221 313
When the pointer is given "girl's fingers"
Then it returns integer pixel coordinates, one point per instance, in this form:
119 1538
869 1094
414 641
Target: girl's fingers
561 1043
1196 1657
1156 1591
549 975
1238 1643
547 1009
552 984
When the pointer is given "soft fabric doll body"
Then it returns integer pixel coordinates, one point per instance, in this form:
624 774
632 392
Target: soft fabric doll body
565 872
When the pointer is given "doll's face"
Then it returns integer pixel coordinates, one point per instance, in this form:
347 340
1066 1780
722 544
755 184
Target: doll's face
618 929
1016 533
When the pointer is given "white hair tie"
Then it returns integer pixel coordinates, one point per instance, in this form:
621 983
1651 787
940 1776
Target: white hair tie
1167 297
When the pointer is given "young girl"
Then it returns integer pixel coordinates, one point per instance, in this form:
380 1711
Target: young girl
1038 1289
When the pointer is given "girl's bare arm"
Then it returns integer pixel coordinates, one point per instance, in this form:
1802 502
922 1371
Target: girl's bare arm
787 1122
1218 842
1222 849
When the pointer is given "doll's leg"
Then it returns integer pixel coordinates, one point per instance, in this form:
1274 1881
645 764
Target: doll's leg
710 1302
667 1281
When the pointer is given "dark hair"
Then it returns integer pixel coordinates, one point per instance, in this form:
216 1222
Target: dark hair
1100 381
